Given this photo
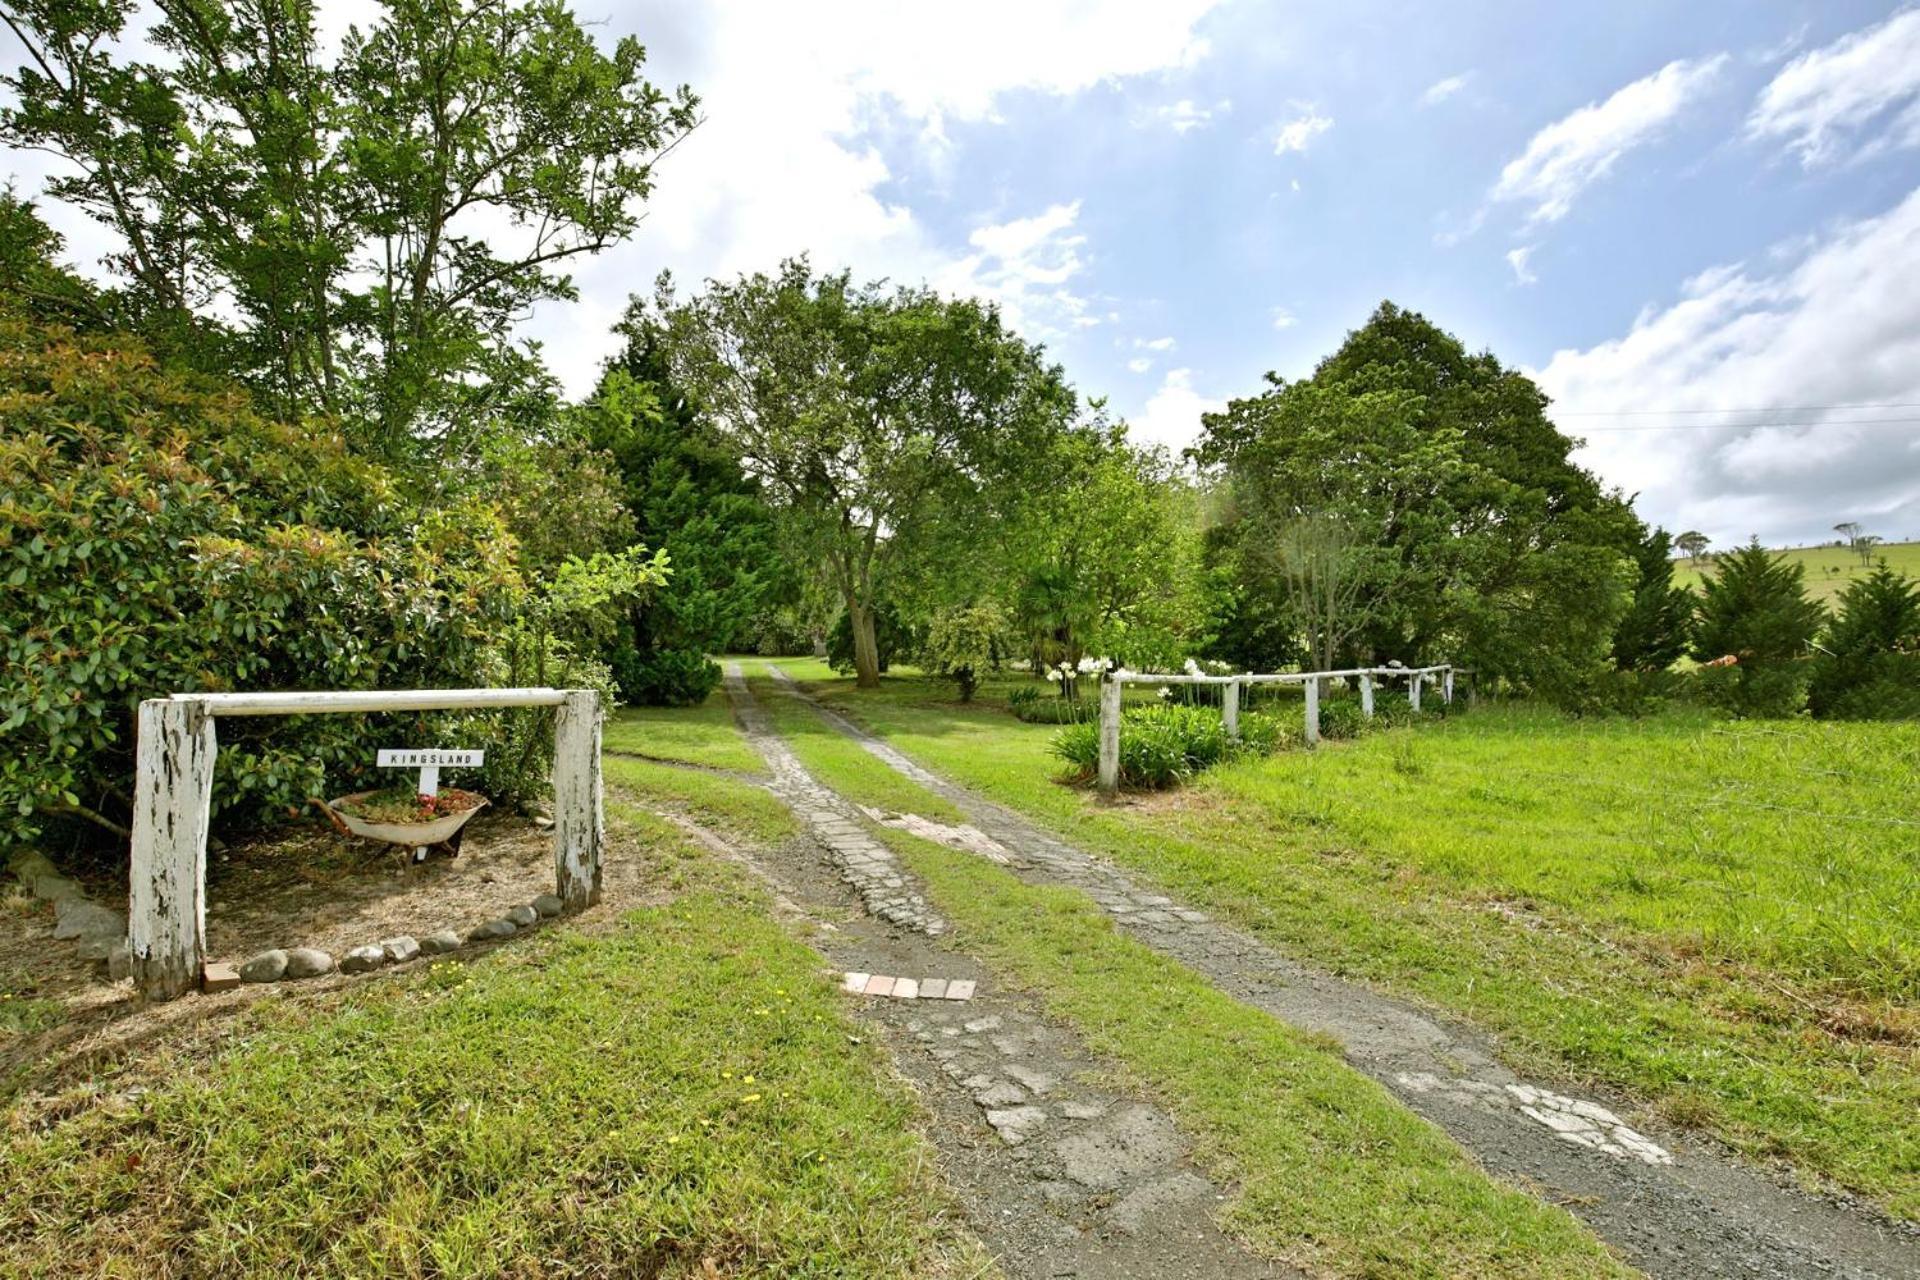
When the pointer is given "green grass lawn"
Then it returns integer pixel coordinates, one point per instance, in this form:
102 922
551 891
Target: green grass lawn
1828 569
1721 918
677 1094
702 735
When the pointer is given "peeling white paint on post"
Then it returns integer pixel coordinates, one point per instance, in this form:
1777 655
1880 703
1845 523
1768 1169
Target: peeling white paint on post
1366 694
579 821
173 791
1313 712
1109 772
1230 708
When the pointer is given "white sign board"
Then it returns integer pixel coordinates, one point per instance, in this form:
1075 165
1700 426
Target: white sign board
403 758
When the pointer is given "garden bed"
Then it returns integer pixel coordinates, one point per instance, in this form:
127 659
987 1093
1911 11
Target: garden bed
306 887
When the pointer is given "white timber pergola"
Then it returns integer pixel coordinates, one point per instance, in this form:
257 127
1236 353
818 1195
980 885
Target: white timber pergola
173 762
1113 685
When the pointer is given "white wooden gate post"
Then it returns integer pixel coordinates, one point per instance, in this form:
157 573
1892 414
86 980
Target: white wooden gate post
167 898
1446 685
1366 694
1413 689
1230 708
1109 770
579 820
1313 711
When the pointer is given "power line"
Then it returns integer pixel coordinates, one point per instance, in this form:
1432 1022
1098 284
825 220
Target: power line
1804 408
1752 426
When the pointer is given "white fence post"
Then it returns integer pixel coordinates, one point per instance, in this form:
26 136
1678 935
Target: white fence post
1413 689
1109 770
167 897
1366 694
1313 711
579 820
1230 708
1446 685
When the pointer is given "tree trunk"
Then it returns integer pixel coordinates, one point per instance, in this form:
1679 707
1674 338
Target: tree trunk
866 650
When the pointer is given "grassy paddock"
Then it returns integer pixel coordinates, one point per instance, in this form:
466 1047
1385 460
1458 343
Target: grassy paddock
1828 569
1722 918
676 1096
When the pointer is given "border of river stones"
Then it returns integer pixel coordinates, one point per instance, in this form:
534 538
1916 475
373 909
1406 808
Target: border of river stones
1682 1211
291 963
100 933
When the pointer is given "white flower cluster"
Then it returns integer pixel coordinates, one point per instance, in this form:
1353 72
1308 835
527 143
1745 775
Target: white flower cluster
1085 667
1166 694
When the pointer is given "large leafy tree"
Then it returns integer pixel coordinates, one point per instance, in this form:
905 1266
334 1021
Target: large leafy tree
1479 539
882 423
374 225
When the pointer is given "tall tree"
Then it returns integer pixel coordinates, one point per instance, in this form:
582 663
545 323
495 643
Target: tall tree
1487 540
1653 633
1869 664
686 494
1754 610
375 224
879 421
1694 543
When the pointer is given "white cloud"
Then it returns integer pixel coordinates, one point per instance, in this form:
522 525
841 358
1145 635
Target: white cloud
1172 414
1517 259
1823 100
1155 344
1295 134
1836 325
1186 115
1572 153
1440 90
1024 265
1283 318
1139 364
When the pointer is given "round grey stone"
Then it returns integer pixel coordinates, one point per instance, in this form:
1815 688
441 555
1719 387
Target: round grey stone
492 929
438 944
268 966
308 962
361 959
549 905
522 916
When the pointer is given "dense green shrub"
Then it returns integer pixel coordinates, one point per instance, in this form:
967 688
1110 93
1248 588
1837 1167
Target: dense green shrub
962 644
1869 664
1162 746
1342 718
158 536
1754 611
663 677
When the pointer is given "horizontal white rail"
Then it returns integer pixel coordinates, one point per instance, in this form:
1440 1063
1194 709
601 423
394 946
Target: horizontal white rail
296 703
1283 677
1107 771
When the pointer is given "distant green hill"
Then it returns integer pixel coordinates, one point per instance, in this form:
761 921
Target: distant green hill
1828 568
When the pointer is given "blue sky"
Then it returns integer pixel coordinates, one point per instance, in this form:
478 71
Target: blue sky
1659 209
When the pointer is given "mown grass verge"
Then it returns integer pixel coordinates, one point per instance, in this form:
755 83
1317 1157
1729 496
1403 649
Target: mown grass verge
1688 910
734 806
676 1096
702 735
1333 1174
